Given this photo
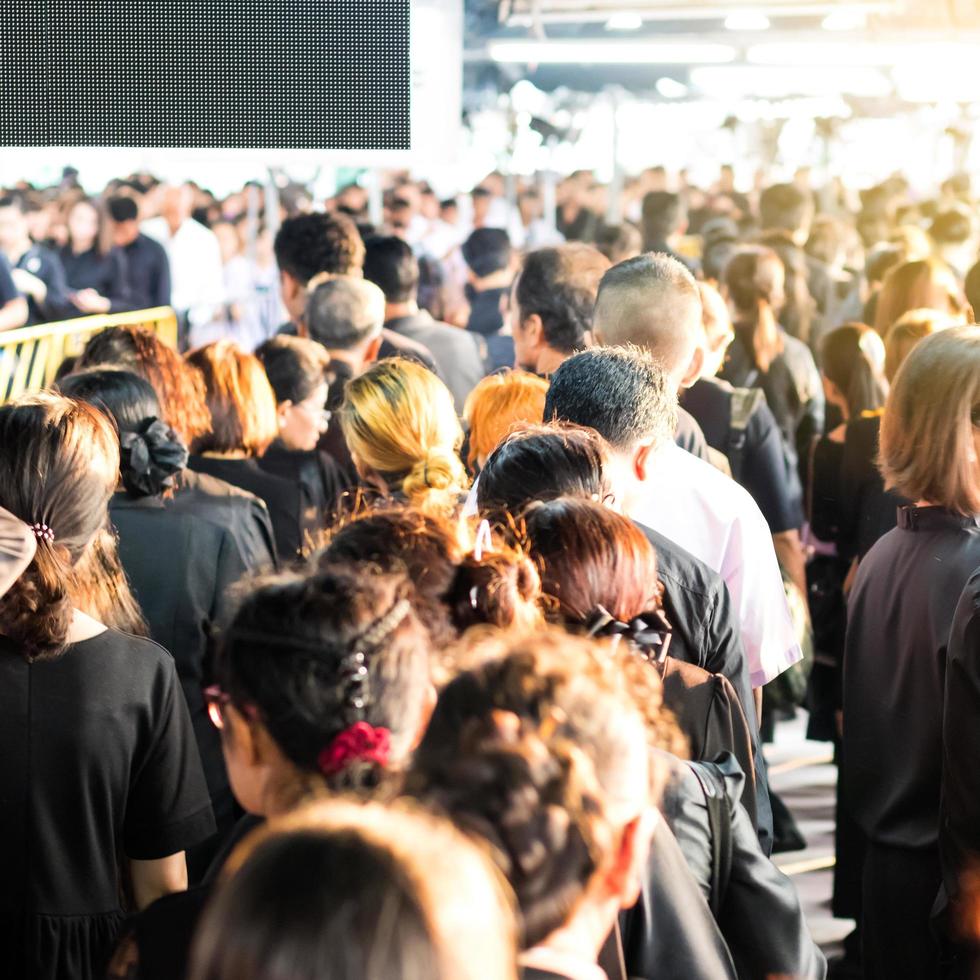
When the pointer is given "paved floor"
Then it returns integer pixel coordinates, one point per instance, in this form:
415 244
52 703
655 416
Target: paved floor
804 776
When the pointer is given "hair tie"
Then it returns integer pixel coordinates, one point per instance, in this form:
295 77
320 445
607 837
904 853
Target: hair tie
650 634
360 742
149 456
42 532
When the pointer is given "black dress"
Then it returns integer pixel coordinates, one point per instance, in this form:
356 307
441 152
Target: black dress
181 568
320 481
282 497
99 764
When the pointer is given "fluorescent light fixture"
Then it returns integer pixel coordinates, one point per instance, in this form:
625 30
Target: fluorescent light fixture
610 52
624 21
845 20
925 55
747 20
670 88
779 82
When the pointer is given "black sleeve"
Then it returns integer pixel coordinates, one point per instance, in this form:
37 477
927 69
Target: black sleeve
853 470
117 286
767 475
727 656
8 291
690 437
160 282
959 828
728 730
169 808
57 305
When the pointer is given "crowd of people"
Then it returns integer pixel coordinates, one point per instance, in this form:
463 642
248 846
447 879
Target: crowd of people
425 612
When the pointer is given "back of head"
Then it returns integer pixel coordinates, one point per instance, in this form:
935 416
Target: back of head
320 655
853 358
294 366
122 208
399 420
390 264
178 385
345 313
498 404
651 301
240 399
559 285
309 244
619 242
907 331
59 462
487 251
342 891
150 452
621 392
663 216
542 462
784 207
590 556
927 434
923 284
952 227
754 274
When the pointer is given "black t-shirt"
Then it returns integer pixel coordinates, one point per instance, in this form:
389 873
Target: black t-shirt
107 274
8 291
149 273
899 616
98 761
45 264
766 471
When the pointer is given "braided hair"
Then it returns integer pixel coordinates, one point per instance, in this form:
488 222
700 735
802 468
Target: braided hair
335 666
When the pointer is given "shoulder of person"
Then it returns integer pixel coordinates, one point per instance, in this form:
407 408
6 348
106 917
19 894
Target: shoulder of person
679 567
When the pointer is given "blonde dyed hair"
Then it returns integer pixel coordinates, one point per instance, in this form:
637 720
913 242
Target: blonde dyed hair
927 432
398 418
497 405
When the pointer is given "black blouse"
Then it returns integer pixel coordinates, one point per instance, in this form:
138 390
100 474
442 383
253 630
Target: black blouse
106 274
98 763
900 612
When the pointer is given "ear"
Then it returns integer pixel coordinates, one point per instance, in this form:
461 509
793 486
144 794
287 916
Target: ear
373 349
533 330
642 459
694 367
625 876
281 411
240 731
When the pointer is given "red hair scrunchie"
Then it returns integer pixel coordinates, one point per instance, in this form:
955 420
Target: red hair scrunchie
361 742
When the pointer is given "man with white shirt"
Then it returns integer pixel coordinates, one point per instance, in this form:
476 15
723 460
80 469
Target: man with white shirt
196 272
624 394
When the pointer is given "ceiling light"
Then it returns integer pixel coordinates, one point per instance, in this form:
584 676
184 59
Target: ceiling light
610 52
778 82
747 20
624 21
845 20
670 88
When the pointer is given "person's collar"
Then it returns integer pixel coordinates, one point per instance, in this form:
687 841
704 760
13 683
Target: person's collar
549 360
913 517
121 499
401 311
564 964
345 360
501 279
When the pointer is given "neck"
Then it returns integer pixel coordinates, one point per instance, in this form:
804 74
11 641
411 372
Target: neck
83 627
395 310
80 248
352 360
583 935
496 280
549 360
229 454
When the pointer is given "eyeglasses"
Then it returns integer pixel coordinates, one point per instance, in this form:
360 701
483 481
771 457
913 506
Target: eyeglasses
215 700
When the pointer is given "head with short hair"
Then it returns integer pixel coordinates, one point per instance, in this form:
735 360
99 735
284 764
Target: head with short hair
923 284
619 242
179 386
348 891
621 392
928 432
345 314
309 244
390 264
954 226
400 425
498 404
784 207
542 462
14 226
122 208
553 299
240 399
59 463
305 659
852 363
651 301
486 251
907 331
663 216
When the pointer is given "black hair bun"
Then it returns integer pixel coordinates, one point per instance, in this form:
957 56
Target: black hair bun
150 457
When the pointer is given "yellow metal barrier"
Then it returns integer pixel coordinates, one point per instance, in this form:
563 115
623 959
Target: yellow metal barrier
30 356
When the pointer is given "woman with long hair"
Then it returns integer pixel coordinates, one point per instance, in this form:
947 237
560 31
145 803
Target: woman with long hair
404 436
99 765
96 271
899 615
763 355
925 283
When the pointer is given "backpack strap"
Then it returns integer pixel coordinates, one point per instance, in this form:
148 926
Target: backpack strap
720 824
744 403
